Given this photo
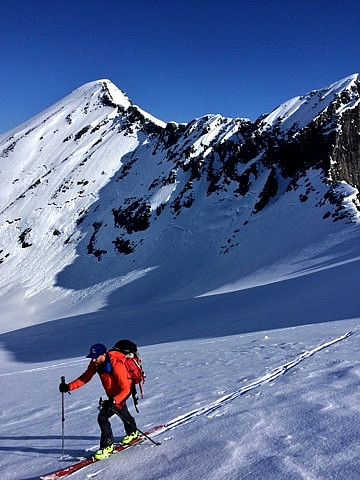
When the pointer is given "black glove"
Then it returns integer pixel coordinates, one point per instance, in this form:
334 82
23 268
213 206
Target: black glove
63 387
108 404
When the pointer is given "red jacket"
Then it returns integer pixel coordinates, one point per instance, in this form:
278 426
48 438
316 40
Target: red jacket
116 382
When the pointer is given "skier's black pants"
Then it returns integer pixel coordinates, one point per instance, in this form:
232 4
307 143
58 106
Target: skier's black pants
107 437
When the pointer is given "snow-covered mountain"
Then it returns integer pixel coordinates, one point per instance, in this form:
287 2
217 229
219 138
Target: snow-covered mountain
104 205
207 238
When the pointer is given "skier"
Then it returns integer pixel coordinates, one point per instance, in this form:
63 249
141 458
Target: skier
117 384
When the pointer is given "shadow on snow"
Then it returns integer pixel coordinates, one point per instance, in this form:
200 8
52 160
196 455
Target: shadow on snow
316 298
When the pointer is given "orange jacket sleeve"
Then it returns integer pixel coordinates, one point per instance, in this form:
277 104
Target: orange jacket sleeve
84 378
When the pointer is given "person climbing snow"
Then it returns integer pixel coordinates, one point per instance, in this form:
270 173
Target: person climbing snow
114 376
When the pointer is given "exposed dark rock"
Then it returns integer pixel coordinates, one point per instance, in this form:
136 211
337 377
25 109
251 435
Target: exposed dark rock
346 153
24 238
81 132
91 246
9 149
133 218
123 245
212 156
125 169
244 180
107 101
270 190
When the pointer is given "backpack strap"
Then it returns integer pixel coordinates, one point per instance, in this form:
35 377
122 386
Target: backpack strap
106 366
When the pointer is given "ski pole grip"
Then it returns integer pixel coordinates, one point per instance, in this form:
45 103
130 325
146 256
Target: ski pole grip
62 379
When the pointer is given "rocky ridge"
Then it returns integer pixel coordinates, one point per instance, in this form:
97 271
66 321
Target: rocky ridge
95 175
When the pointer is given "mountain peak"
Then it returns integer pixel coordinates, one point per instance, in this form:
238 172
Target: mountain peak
101 87
96 194
300 111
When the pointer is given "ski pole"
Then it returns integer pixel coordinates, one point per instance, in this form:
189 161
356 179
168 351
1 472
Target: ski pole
142 433
62 418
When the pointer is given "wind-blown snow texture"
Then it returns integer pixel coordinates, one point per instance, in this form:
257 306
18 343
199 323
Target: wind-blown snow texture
275 405
199 242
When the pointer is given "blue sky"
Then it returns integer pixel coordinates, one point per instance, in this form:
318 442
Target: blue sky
177 59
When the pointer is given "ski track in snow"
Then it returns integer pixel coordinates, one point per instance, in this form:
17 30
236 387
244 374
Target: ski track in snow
226 399
187 417
210 409
270 377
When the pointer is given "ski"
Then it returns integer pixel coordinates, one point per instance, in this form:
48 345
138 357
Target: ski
90 460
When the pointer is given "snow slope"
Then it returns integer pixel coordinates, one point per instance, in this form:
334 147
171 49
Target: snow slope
102 203
246 311
278 404
300 111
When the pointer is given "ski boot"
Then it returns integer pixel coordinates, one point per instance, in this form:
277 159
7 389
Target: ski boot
129 438
104 452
